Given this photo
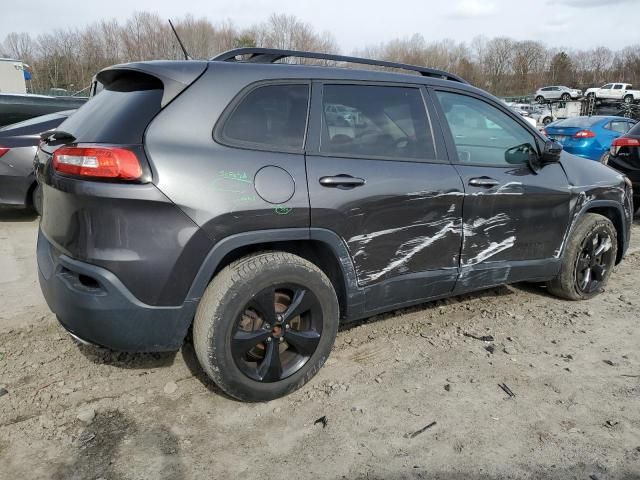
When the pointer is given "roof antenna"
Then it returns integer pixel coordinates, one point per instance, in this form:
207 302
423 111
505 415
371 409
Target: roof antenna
184 50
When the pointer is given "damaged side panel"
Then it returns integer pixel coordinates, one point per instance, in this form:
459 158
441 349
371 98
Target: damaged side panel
406 219
512 230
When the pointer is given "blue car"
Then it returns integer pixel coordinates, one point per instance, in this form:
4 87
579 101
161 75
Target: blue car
589 137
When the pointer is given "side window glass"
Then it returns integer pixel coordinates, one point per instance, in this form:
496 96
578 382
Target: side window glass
273 117
483 134
619 126
607 86
375 121
617 86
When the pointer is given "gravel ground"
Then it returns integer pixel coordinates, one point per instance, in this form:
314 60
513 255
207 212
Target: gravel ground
79 412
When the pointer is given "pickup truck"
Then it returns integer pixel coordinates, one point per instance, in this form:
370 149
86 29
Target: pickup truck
615 92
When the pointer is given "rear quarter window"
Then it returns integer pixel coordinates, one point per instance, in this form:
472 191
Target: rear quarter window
269 117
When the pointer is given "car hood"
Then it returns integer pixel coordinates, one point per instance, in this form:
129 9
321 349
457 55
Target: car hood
587 174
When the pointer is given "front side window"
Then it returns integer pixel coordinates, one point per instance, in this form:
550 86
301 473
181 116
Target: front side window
375 121
484 134
271 117
607 86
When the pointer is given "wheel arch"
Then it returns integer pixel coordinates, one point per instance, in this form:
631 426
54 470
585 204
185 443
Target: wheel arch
613 212
323 248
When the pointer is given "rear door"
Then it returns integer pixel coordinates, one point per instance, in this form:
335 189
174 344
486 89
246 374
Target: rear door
514 219
379 178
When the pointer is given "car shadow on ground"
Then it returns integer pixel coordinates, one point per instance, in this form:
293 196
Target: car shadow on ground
192 363
125 360
17 215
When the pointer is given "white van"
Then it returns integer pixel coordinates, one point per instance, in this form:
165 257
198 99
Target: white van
12 76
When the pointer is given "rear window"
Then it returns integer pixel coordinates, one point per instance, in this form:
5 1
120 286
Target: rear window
578 122
271 117
118 114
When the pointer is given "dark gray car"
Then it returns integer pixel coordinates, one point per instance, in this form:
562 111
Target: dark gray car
18 145
220 195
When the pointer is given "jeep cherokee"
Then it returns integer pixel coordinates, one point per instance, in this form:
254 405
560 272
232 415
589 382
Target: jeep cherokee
262 203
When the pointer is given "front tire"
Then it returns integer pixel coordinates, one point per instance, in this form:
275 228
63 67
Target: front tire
565 97
266 325
628 99
588 259
540 99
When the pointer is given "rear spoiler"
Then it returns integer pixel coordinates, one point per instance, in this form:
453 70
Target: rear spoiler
174 75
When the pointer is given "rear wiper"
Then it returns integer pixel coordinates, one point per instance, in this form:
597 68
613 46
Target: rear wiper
57 136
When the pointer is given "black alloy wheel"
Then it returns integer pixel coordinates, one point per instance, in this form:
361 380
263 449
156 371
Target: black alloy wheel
277 332
594 260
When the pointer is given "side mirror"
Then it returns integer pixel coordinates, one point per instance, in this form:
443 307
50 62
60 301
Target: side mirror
520 154
551 152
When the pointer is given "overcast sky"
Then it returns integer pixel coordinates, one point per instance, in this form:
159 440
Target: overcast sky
356 23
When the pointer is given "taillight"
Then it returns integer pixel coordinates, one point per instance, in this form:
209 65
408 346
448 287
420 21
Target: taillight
98 162
585 134
626 142
544 132
3 150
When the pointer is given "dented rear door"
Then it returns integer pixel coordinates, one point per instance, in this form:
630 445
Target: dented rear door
378 177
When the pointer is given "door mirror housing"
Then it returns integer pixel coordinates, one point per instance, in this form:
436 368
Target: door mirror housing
551 152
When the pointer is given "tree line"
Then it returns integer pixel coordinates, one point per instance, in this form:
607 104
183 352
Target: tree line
68 58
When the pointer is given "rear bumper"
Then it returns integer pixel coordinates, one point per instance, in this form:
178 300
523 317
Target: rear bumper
95 306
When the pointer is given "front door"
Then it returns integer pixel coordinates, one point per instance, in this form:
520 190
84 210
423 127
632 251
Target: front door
515 219
379 180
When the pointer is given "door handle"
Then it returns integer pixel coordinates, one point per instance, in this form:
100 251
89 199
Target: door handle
483 182
344 181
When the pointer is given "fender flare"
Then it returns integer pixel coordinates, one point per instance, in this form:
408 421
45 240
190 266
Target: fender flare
597 204
354 294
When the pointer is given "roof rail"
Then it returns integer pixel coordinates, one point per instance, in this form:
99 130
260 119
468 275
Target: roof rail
272 55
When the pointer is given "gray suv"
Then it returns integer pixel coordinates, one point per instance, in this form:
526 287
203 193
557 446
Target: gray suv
557 92
260 204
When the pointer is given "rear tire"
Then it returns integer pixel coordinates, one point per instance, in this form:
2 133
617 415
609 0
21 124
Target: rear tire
628 99
591 234
36 199
547 120
247 334
604 159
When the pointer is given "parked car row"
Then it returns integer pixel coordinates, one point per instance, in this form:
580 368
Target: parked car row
610 92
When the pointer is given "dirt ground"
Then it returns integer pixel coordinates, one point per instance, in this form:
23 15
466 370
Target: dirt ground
83 413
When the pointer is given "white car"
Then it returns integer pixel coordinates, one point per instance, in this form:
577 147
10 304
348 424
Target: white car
557 92
615 92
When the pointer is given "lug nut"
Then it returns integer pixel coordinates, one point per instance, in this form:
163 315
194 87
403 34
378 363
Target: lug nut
287 327
280 317
281 339
267 326
269 340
